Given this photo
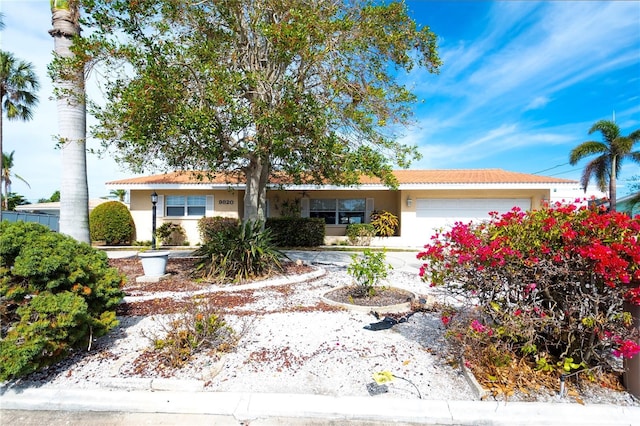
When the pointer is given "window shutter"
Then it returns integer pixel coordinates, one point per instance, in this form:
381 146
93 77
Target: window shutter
368 210
304 207
209 210
160 206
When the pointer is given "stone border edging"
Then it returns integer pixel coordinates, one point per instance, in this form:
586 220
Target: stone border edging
273 282
388 309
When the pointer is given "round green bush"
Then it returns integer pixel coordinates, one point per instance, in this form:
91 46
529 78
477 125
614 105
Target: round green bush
112 223
56 294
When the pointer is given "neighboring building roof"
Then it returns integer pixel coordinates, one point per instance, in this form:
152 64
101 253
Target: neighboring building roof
405 177
53 207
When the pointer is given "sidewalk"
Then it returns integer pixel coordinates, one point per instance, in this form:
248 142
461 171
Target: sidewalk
404 261
120 407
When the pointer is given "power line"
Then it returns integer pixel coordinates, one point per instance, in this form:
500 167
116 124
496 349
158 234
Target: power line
563 173
550 168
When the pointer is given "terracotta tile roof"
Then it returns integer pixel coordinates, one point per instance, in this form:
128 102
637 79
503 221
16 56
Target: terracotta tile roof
472 176
451 176
184 177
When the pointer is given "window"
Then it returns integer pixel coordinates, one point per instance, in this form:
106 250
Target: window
338 211
192 205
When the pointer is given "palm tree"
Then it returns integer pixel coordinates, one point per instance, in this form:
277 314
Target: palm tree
68 76
7 165
606 166
18 86
119 194
14 200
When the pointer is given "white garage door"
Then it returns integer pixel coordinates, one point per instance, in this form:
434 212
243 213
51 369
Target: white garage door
432 214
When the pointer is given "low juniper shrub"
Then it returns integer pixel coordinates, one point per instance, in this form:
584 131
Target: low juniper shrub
56 295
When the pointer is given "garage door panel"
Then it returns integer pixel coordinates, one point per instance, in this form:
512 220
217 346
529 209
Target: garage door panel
466 208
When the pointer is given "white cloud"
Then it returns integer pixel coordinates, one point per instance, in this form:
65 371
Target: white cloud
530 53
537 103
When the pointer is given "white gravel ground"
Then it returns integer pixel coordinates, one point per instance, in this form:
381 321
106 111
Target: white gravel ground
317 352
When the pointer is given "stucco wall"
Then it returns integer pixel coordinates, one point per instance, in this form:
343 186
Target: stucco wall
225 203
412 229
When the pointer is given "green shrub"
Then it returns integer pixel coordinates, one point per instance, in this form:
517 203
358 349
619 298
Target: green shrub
296 232
239 254
290 208
112 223
360 234
171 234
367 270
385 223
55 295
210 228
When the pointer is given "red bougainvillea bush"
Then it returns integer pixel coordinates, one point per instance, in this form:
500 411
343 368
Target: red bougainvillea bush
542 290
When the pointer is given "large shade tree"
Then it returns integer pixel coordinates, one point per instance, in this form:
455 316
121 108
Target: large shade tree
306 90
611 152
18 87
67 72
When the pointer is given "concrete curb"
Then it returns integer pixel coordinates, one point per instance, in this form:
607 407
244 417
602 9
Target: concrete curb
250 407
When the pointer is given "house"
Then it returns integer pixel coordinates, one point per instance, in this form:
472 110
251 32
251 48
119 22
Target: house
425 200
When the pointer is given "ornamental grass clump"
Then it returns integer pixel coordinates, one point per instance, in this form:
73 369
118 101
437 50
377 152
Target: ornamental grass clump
238 254
544 288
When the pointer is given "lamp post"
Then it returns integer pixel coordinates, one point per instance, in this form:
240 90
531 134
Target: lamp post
154 201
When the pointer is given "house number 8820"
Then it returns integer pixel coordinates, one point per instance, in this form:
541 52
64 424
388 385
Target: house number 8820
225 202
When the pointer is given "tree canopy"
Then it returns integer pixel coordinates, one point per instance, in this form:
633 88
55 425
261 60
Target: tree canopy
307 90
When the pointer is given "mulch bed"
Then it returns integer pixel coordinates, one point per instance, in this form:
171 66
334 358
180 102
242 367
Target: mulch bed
181 279
384 296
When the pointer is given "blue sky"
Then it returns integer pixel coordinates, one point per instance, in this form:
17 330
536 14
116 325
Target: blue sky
522 83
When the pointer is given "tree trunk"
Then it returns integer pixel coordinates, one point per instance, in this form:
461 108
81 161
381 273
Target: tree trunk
74 191
612 185
256 174
1 162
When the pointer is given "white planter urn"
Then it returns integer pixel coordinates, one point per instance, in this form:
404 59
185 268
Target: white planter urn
154 262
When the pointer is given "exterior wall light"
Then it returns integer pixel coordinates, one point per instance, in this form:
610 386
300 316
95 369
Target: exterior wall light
154 201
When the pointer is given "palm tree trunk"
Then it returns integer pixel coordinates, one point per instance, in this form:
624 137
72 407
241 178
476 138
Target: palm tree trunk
612 185
1 112
74 190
